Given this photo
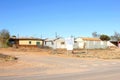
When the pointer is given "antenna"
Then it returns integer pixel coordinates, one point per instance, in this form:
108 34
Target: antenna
17 35
56 35
41 36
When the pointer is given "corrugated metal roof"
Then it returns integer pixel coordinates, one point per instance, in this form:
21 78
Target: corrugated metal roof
27 38
91 39
49 39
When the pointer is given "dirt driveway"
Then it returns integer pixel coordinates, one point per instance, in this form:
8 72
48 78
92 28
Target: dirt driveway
41 63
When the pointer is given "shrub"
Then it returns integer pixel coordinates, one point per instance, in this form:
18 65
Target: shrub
7 57
105 37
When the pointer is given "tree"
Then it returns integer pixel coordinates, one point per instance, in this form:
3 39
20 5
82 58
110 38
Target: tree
116 36
4 37
13 36
104 37
95 34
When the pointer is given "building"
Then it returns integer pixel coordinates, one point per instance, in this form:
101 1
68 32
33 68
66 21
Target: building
89 43
58 43
49 42
26 42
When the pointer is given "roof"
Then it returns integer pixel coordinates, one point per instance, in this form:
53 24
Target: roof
60 39
26 38
53 39
91 39
49 39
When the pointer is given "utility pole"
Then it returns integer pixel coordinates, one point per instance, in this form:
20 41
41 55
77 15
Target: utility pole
17 35
56 36
41 36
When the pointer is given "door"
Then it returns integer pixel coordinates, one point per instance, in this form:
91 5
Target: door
38 44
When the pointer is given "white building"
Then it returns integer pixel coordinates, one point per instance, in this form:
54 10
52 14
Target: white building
89 43
58 43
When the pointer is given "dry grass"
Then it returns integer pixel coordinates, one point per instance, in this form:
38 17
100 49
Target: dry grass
100 54
4 57
95 54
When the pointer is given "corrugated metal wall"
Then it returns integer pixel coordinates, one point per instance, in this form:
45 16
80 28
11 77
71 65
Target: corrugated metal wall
95 44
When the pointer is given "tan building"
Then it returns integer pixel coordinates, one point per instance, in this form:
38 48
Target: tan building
26 42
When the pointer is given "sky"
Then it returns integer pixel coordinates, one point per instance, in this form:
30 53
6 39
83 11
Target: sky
45 18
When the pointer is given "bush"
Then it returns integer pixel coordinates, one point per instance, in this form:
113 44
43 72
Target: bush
105 37
7 57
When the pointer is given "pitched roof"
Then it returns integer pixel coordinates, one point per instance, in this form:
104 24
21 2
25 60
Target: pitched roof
27 38
91 39
49 39
53 39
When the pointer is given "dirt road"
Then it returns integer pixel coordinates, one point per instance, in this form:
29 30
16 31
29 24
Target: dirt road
42 64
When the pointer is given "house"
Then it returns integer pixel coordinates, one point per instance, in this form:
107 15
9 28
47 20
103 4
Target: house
49 42
89 43
58 43
26 42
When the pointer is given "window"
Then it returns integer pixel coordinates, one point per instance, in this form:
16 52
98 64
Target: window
38 43
52 43
45 42
75 41
30 42
62 43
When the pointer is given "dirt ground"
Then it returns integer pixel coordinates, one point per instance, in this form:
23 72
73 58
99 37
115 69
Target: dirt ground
113 53
45 61
100 54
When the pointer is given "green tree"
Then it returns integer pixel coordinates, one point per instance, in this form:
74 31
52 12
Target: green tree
4 37
13 36
104 37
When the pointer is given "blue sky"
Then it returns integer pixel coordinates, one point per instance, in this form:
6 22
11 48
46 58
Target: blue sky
66 17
